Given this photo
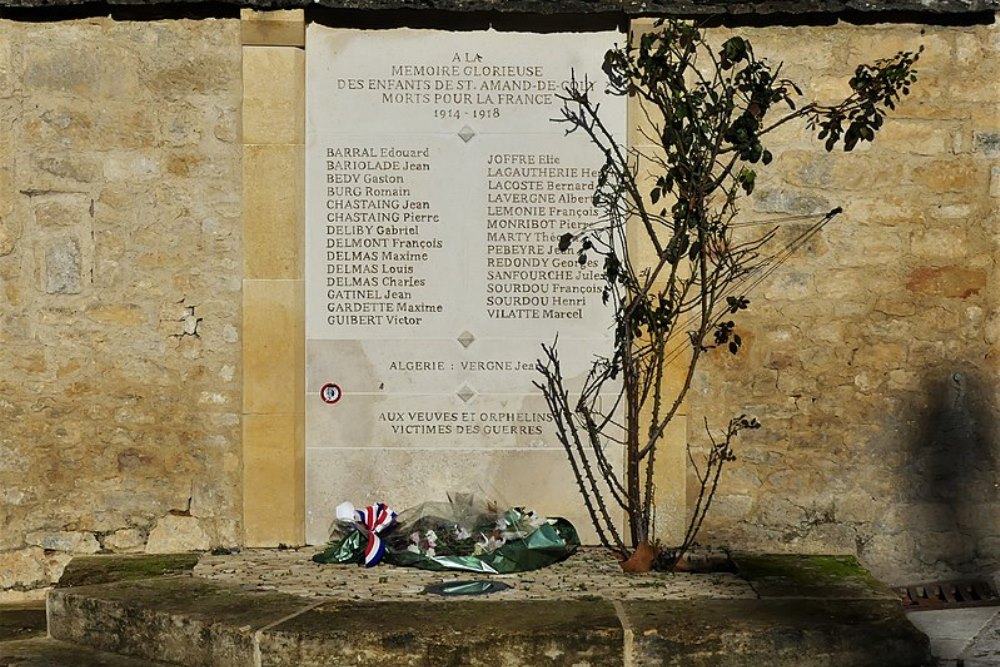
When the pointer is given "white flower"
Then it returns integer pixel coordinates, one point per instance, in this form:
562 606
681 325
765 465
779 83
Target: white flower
490 544
431 537
345 512
461 533
413 548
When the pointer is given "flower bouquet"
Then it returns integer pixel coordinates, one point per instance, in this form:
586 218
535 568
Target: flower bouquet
460 534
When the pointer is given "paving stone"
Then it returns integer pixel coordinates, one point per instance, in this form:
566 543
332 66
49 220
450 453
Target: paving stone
984 649
589 573
954 624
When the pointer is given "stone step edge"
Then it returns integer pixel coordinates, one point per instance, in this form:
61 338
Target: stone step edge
186 621
47 652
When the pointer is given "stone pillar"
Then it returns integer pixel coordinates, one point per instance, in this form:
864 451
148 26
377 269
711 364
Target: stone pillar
273 301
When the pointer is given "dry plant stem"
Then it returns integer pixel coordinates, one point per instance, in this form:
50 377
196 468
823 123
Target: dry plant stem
557 399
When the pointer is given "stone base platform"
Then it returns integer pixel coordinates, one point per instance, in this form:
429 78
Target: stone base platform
271 608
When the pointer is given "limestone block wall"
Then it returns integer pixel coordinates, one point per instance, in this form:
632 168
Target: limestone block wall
148 392
120 292
872 356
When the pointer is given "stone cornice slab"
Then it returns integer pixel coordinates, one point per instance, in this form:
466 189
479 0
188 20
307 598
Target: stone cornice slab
622 8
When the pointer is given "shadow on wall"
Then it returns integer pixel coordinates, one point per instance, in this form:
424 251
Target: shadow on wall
950 485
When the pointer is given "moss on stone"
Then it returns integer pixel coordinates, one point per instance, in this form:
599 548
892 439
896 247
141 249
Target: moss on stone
90 570
776 575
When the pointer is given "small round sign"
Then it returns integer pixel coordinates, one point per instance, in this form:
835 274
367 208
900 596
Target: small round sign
330 393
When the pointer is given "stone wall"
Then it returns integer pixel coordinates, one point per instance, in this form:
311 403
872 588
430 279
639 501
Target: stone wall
120 294
872 357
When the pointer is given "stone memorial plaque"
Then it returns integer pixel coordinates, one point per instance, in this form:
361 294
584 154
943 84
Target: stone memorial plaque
437 189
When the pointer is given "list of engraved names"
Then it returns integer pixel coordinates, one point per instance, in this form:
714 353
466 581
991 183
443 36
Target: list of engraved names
381 234
531 202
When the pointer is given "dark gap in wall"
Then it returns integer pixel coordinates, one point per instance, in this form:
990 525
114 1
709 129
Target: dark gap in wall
571 19
853 17
462 21
131 12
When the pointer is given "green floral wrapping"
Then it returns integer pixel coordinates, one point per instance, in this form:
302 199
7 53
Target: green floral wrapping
461 536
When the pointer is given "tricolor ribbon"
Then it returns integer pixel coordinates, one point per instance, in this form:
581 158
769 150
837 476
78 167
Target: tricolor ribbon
373 520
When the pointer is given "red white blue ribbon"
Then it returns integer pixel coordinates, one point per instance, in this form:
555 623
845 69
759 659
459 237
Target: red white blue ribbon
373 520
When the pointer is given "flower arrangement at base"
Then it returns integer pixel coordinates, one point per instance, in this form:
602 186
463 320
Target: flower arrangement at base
460 534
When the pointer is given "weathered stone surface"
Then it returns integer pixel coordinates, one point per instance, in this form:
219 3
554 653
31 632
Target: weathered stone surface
863 428
511 633
197 622
175 619
123 209
796 633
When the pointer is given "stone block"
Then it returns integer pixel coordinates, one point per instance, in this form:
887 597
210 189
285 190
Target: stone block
272 28
65 171
778 200
950 175
23 569
273 211
63 267
61 213
174 534
953 282
273 347
273 480
72 542
10 233
126 540
273 95
940 242
987 143
801 51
